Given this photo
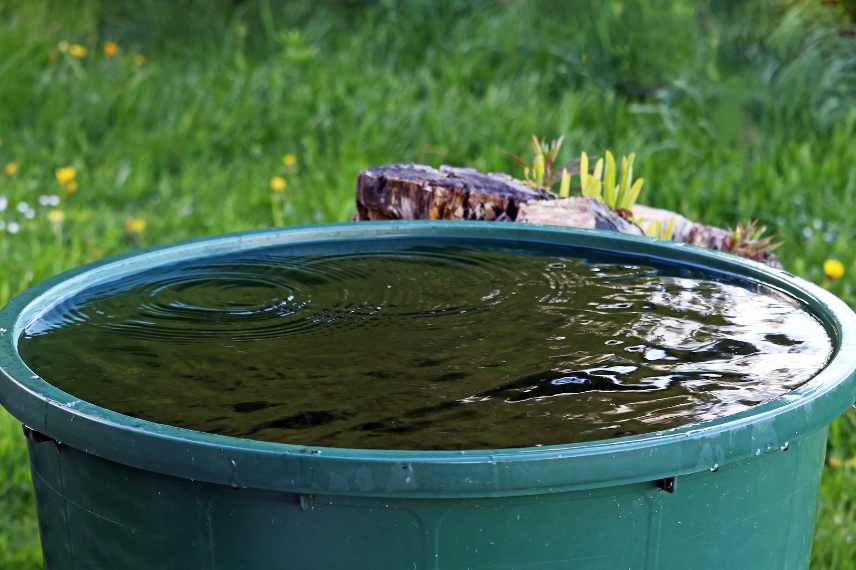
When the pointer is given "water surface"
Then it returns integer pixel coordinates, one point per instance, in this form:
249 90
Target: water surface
415 344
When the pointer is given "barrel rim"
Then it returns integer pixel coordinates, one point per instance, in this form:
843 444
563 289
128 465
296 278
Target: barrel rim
764 428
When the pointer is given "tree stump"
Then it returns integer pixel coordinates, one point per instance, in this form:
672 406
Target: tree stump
419 192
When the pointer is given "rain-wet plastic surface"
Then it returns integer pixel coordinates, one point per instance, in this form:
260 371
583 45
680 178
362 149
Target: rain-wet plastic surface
115 491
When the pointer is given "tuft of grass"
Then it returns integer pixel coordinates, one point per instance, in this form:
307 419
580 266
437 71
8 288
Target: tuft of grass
748 239
18 527
541 174
605 184
739 110
656 229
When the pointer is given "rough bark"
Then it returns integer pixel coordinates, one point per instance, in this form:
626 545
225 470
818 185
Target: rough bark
415 191
711 237
576 212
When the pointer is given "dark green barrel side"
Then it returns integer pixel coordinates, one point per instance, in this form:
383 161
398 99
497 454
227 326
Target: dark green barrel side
118 492
756 514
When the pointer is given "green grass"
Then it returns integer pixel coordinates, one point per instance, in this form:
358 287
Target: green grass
736 110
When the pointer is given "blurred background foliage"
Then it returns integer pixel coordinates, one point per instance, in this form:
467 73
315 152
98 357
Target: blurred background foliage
736 110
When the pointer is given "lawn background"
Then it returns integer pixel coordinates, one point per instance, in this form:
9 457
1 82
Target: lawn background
737 110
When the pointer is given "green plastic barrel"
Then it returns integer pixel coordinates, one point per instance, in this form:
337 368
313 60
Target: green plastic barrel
118 492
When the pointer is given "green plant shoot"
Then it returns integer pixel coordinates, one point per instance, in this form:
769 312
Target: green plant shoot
615 188
540 174
656 229
565 184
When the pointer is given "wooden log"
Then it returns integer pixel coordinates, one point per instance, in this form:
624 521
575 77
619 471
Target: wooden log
576 212
419 192
701 235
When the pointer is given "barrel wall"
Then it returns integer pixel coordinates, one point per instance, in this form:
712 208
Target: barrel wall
758 514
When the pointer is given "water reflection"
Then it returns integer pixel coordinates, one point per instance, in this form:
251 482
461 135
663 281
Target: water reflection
425 347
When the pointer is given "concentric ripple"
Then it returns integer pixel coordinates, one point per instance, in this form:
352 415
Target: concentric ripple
414 344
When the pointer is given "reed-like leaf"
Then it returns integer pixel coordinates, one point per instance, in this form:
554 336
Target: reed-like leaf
654 229
598 169
670 229
610 190
629 199
539 170
565 184
626 177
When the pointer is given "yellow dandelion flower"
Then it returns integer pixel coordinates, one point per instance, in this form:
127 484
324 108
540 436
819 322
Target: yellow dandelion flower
71 186
11 169
835 462
62 46
135 225
65 174
111 49
833 269
56 216
140 59
278 184
852 461
289 159
77 51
